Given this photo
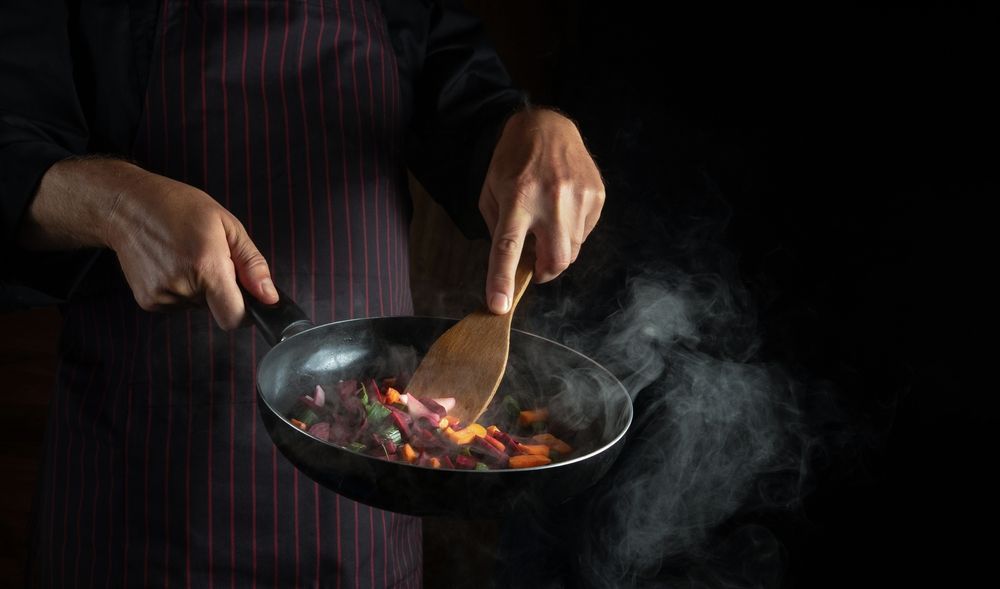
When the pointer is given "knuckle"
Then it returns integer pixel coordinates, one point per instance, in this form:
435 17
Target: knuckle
145 300
506 246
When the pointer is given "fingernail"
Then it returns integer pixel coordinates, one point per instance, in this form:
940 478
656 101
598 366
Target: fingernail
499 303
268 287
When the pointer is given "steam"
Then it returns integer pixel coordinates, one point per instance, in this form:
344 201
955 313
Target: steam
718 434
712 428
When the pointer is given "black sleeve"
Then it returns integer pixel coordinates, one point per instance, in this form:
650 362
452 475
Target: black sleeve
41 122
462 95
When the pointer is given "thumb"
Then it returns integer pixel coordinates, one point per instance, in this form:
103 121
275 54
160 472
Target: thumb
251 267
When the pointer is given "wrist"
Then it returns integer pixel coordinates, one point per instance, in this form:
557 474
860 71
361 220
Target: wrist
78 204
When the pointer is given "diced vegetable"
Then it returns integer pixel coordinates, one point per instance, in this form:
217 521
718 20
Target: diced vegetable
536 449
465 435
528 460
553 443
530 416
373 418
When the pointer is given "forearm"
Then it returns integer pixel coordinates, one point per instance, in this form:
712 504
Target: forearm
75 203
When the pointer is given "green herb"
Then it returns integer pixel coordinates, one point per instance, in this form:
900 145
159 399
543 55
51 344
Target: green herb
511 407
393 434
481 466
356 446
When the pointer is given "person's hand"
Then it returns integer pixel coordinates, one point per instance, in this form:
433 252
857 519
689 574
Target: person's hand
176 245
542 181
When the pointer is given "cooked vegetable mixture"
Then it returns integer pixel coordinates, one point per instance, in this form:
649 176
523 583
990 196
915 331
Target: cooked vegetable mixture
380 421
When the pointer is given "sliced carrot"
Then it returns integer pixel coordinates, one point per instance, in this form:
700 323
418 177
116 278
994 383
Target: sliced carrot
452 420
391 396
409 453
299 424
553 442
529 416
527 461
535 449
435 462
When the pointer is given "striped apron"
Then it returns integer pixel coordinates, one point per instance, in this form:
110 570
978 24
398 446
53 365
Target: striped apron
158 471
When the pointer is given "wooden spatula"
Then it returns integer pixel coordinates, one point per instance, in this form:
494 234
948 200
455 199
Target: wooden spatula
468 361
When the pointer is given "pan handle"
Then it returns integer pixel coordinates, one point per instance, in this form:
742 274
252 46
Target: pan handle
279 321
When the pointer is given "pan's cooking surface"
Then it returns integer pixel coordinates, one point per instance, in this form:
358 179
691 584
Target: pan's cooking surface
595 412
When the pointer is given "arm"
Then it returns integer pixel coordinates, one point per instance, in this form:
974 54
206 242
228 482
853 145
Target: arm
539 177
174 243
541 181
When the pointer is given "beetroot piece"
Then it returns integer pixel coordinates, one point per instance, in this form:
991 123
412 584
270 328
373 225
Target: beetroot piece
320 430
466 462
374 391
490 454
435 407
359 418
401 421
505 439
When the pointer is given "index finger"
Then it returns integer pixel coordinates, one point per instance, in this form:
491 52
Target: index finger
505 251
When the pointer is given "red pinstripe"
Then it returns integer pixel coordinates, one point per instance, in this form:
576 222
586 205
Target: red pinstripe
308 158
166 448
65 487
295 510
128 431
211 355
114 421
163 84
375 149
110 351
232 460
288 155
83 450
343 162
272 259
274 499
246 118
145 466
316 581
253 453
357 552
187 454
361 160
326 163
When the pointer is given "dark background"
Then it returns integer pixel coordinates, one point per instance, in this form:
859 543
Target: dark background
855 147
852 150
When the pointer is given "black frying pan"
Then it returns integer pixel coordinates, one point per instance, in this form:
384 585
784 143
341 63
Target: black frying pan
591 411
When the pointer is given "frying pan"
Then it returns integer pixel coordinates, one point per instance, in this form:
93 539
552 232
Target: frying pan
590 410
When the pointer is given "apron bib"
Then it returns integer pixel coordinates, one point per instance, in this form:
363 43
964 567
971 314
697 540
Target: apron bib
158 469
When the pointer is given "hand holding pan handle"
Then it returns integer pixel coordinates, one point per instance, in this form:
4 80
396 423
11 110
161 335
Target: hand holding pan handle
279 321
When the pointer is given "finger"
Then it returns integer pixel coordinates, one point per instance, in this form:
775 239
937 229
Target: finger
223 295
505 251
488 208
554 252
250 266
593 214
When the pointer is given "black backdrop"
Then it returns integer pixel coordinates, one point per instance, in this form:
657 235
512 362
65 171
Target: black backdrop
854 149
